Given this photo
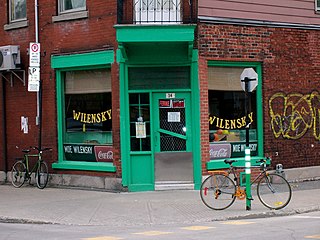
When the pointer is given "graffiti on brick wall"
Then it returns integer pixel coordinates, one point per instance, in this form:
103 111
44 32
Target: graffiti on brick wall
294 114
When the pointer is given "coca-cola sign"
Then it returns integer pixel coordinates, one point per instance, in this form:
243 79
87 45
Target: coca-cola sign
103 153
220 151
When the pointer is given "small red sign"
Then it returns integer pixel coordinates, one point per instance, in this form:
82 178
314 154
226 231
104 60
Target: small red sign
164 103
179 103
103 153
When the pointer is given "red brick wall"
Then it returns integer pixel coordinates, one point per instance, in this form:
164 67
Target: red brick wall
290 60
75 36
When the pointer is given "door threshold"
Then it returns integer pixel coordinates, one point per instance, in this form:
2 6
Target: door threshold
173 185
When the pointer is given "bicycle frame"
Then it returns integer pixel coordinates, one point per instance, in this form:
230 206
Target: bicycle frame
34 168
240 192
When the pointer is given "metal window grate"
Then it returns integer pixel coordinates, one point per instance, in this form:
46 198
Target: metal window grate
168 142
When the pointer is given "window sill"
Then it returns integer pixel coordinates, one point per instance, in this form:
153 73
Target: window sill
16 25
70 16
85 166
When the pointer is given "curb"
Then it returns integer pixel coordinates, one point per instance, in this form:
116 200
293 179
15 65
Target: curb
275 213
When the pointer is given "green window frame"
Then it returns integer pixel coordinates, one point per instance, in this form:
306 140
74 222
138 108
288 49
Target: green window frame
219 163
62 64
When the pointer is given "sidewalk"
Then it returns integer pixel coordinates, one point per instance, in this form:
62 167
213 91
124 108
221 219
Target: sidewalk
84 207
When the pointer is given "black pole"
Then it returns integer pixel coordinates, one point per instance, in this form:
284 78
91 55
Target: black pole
40 115
247 108
4 128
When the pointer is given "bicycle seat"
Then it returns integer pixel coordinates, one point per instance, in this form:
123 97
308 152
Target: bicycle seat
26 150
229 161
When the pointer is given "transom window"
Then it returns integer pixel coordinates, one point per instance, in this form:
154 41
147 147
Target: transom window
67 6
18 10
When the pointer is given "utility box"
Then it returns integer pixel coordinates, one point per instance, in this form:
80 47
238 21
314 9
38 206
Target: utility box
9 57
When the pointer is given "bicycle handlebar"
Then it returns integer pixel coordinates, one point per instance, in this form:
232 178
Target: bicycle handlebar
42 149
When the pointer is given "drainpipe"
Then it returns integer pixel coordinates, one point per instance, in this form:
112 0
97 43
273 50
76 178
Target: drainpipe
4 131
39 93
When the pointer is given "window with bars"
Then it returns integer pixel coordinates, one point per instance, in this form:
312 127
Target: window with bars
157 11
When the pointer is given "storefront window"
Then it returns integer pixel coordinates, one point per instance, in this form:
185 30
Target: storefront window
88 113
227 116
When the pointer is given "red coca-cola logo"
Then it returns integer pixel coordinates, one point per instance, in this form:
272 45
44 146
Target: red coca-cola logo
103 153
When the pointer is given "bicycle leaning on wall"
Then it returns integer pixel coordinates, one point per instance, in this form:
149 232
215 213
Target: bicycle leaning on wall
219 191
21 172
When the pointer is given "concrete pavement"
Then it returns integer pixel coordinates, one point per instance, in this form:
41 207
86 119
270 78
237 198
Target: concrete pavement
87 207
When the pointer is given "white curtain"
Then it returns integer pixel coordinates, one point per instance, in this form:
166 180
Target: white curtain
88 81
78 3
224 78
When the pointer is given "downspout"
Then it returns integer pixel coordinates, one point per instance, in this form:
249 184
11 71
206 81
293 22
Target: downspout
39 93
4 131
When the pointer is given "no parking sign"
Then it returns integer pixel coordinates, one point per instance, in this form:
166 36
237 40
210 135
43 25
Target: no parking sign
34 55
34 67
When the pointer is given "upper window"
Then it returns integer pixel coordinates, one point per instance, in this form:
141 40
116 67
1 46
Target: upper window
317 5
18 10
157 11
66 6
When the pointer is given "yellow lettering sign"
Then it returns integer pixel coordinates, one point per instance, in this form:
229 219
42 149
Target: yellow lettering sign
230 123
92 118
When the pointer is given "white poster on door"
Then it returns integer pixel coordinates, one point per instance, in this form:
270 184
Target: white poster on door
173 116
141 130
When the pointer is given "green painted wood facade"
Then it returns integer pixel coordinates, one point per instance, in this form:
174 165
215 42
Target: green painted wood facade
61 64
163 47
219 163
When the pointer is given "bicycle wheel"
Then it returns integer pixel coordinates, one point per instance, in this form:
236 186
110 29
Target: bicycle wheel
274 191
218 192
42 175
18 174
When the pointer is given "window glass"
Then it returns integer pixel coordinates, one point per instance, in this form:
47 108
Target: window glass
318 5
227 116
72 5
18 10
88 113
139 122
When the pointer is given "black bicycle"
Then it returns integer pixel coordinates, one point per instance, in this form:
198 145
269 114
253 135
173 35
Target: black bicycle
21 172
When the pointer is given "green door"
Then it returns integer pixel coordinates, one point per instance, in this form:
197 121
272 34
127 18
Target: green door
173 161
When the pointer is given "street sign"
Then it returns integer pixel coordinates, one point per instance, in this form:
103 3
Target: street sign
251 77
34 79
34 54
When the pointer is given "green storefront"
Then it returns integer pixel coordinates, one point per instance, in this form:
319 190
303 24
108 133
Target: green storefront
159 106
84 111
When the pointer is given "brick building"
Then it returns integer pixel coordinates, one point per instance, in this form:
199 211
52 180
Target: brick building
127 88
281 43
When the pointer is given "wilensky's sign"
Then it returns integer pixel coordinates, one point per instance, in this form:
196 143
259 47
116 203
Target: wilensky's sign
231 123
92 118
230 150
88 153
